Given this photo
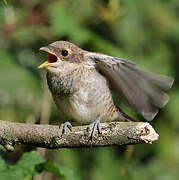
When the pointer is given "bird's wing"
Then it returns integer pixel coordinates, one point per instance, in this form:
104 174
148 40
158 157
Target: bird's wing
143 91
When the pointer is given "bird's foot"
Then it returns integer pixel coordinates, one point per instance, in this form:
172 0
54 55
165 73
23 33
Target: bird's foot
94 126
65 126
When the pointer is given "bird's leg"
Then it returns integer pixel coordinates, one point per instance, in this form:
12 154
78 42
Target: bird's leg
95 126
65 126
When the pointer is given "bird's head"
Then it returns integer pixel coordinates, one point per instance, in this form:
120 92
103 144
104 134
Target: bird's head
60 55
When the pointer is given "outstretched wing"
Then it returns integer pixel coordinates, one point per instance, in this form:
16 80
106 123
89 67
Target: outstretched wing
143 91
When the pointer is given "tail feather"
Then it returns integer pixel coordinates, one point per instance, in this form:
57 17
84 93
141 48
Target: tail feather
161 81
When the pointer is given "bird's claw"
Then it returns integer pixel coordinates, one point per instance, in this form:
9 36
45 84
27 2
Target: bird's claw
65 126
94 126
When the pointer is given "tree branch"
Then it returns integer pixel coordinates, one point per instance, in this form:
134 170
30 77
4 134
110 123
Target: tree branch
49 136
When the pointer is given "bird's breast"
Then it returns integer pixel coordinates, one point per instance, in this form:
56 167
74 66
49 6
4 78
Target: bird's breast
61 85
83 96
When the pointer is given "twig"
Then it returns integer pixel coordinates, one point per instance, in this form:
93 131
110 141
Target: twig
49 136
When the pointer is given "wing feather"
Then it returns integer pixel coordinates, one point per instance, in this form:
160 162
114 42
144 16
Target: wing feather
142 91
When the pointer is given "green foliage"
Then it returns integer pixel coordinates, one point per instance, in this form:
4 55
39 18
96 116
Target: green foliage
24 169
5 2
62 172
31 164
63 23
143 31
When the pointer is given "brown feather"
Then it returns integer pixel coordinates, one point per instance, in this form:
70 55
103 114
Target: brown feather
140 90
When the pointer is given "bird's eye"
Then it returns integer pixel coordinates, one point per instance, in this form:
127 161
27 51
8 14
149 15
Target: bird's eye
64 52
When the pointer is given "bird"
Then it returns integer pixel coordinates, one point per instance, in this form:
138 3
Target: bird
81 84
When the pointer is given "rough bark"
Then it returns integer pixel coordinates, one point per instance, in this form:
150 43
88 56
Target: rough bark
49 136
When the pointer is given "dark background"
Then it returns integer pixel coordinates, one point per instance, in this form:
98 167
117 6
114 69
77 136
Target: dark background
146 32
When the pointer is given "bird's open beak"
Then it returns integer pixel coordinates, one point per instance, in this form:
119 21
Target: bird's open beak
52 58
43 65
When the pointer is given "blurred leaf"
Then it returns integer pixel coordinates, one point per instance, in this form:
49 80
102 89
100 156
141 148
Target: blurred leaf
18 86
28 163
5 2
25 35
59 170
26 167
65 24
